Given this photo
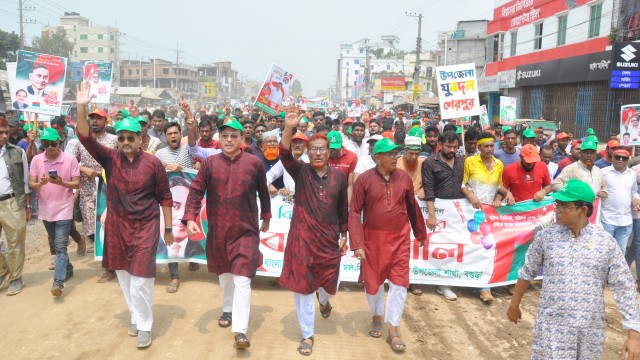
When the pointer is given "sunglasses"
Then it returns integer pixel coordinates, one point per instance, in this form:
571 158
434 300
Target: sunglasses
129 138
45 143
623 158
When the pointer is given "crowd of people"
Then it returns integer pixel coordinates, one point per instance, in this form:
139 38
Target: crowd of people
345 176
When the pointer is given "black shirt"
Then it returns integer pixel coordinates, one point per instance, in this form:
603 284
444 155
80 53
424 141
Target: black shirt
441 181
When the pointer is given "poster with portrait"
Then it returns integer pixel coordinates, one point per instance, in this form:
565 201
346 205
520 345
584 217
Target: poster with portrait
39 83
273 90
508 108
99 75
629 129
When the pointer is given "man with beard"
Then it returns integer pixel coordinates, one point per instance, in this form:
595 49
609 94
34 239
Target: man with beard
318 233
584 170
248 126
509 154
205 130
299 143
175 158
355 143
90 169
546 153
562 139
319 118
231 181
256 148
374 128
528 179
132 227
157 127
607 160
383 247
341 158
365 163
149 143
269 157
575 156
431 133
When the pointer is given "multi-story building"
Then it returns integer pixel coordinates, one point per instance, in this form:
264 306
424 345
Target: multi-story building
91 42
555 57
158 73
224 76
427 71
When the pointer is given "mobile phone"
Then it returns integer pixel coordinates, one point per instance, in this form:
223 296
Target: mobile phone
53 174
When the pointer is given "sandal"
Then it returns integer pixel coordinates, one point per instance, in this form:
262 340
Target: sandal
375 329
173 286
305 346
106 277
194 266
226 316
241 341
414 290
396 343
325 310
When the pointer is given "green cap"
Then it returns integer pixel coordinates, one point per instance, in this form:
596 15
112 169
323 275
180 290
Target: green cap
305 120
589 145
141 119
124 113
505 128
282 114
458 130
529 133
574 190
21 117
63 114
335 139
383 146
128 124
232 124
591 132
416 131
49 134
592 138
27 127
350 131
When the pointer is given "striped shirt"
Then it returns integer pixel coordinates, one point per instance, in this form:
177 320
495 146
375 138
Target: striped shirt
180 156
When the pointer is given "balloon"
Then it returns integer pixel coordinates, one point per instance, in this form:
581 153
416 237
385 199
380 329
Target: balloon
485 228
479 217
487 241
472 225
475 237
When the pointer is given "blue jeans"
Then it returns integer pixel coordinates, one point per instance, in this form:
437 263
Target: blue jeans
58 232
634 251
620 233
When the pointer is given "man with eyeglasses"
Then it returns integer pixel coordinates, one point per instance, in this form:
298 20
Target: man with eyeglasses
55 174
584 170
579 260
137 188
231 181
383 247
90 169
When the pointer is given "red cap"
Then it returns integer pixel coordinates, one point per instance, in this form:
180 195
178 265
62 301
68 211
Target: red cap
300 136
530 154
98 112
613 143
347 121
622 151
562 135
388 135
576 142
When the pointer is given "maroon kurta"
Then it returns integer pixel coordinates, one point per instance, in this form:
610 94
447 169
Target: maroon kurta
386 235
136 190
233 236
312 255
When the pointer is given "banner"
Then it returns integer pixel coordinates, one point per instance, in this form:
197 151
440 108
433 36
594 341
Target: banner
629 125
392 84
472 248
508 107
273 90
210 89
484 118
457 91
99 75
39 83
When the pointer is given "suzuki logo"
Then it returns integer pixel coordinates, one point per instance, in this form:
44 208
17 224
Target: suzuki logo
628 53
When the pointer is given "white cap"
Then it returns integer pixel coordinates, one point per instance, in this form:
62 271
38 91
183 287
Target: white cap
375 137
412 141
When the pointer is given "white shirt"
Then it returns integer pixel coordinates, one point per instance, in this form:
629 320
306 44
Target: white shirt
553 169
364 163
361 150
71 146
621 189
5 182
278 170
202 153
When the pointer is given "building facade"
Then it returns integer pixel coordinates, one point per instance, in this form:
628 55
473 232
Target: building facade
158 73
224 76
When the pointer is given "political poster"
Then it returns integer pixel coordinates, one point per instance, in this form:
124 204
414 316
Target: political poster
629 125
393 84
508 110
99 75
458 91
273 90
39 83
484 118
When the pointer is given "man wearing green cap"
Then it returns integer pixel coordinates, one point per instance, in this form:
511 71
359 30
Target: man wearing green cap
137 187
580 260
341 158
584 170
528 137
590 132
383 247
231 181
55 174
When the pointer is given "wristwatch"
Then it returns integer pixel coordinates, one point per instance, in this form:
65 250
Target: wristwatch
168 230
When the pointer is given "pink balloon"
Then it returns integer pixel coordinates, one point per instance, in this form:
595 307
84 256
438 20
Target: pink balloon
487 241
485 228
475 237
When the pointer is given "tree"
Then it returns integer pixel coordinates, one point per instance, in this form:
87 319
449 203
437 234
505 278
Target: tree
295 88
9 45
53 43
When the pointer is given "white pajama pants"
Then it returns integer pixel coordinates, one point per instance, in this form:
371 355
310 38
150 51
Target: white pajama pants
236 299
306 309
138 292
396 299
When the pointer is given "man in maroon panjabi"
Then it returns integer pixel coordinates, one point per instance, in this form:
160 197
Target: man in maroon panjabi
383 242
320 217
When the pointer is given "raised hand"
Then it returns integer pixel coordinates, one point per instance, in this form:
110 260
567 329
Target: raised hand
82 93
184 106
293 118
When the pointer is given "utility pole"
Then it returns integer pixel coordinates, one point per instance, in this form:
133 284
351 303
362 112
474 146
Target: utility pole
347 84
178 51
416 71
21 10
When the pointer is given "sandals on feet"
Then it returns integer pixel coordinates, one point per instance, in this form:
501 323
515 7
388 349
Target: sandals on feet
241 341
375 329
106 277
173 286
225 320
305 348
325 310
396 343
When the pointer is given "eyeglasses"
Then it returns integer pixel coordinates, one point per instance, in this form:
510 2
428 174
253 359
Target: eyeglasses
390 155
45 143
315 150
230 136
618 158
129 138
564 207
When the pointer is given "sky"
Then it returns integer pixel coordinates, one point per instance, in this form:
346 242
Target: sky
303 37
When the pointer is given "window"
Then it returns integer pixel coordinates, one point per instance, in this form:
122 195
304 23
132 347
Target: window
514 42
165 71
112 50
356 62
594 20
74 28
100 49
84 50
100 37
562 30
537 37
137 71
111 37
130 72
144 72
357 72
84 37
388 67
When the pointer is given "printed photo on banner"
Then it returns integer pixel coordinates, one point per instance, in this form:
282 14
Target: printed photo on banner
458 91
629 130
99 76
508 110
273 90
39 83
484 118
